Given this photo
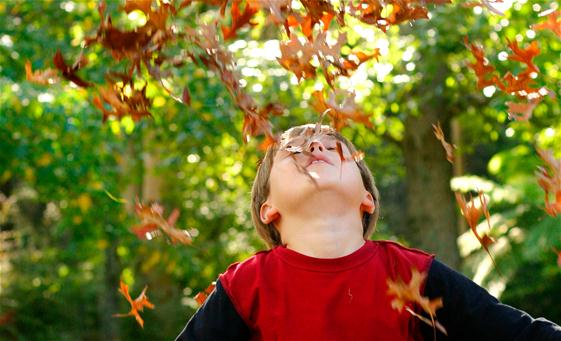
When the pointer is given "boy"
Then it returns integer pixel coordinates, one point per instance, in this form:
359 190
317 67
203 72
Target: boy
315 204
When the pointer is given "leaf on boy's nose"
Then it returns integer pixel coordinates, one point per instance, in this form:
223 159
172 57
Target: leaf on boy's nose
407 295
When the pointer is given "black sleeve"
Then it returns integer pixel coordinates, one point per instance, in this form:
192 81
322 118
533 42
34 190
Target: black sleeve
471 313
216 319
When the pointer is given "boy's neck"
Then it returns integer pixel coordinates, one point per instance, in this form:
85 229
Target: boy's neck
323 237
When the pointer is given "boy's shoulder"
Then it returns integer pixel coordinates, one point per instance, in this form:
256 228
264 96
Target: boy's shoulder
247 267
401 259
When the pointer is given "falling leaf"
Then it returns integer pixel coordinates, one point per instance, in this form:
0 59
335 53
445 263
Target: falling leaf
472 213
43 77
526 55
203 295
69 72
410 294
137 305
449 148
550 181
239 19
553 22
152 217
482 68
521 111
340 114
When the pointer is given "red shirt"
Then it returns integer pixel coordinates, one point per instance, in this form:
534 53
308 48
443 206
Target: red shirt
283 295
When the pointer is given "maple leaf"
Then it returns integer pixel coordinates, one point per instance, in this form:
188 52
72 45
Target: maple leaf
137 305
524 55
553 22
201 297
550 181
153 215
472 213
521 111
43 77
410 294
69 72
449 148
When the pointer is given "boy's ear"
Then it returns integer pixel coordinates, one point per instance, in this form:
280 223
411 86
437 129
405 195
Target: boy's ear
367 204
268 213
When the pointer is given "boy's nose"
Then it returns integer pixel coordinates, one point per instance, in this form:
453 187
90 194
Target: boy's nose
316 146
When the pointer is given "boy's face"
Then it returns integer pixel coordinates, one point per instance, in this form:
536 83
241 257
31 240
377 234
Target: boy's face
307 170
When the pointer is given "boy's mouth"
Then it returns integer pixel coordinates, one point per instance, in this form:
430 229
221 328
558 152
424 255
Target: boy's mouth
318 159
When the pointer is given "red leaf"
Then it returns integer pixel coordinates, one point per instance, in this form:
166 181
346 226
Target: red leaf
524 55
203 295
44 77
238 19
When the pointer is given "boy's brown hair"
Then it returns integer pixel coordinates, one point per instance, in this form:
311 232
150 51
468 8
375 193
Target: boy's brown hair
260 189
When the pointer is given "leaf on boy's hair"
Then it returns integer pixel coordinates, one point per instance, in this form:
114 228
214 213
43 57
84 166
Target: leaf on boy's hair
137 305
203 295
472 212
449 148
550 181
152 219
409 294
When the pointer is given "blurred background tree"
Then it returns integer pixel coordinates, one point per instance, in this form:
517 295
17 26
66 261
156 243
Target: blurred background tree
64 232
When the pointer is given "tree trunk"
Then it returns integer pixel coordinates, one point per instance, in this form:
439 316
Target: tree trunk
109 297
431 212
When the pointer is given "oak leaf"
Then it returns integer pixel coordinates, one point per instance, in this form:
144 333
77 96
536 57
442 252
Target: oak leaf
550 181
449 148
43 77
137 305
553 22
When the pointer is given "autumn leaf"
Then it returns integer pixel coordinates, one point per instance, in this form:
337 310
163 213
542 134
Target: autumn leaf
472 213
340 113
550 181
137 305
521 111
485 3
152 217
553 22
43 77
69 72
482 68
407 295
239 19
449 148
203 295
525 55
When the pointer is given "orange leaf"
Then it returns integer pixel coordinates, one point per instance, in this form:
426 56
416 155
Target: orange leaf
238 19
153 216
137 305
48 76
203 295
524 55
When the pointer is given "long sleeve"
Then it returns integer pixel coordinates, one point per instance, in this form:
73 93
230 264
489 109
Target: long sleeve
216 319
471 313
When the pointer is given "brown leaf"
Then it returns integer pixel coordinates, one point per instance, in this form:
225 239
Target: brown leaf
238 18
69 72
340 114
524 55
137 305
449 148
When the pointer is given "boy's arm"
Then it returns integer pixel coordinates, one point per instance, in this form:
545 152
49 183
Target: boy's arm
471 313
216 319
